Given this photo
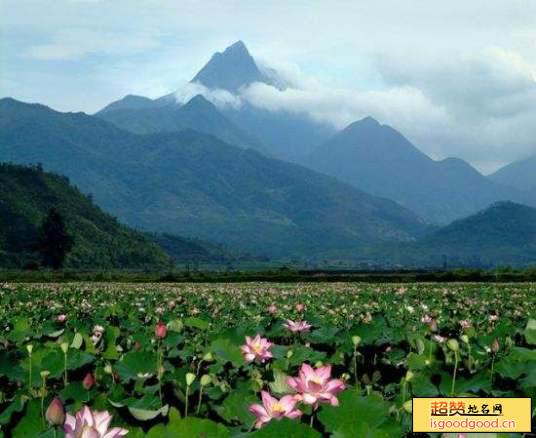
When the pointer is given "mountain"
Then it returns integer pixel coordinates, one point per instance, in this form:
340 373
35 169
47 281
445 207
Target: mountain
184 250
379 160
132 102
195 185
279 134
519 174
285 135
197 114
503 234
231 70
27 194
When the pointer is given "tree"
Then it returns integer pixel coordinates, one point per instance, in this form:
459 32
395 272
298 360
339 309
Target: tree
55 243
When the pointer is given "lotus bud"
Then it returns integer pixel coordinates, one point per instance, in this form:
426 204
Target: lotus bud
108 368
64 347
208 357
495 346
29 347
289 354
345 377
88 381
160 330
55 414
190 377
356 340
465 338
408 406
206 380
409 376
453 345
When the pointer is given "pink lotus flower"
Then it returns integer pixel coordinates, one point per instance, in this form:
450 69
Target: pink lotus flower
272 308
297 327
430 321
465 323
88 381
274 408
55 412
427 319
61 318
160 330
88 424
401 291
256 349
315 386
300 307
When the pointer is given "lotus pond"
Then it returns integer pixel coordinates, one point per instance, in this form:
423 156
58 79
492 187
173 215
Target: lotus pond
91 360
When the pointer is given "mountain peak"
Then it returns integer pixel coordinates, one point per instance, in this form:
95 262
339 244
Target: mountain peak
198 99
199 102
239 48
367 122
230 70
130 101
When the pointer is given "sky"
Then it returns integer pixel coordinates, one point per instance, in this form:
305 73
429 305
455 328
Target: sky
457 78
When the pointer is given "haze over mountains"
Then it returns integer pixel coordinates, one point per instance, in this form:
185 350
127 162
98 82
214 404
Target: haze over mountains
519 174
502 234
379 160
192 184
280 134
368 155
223 173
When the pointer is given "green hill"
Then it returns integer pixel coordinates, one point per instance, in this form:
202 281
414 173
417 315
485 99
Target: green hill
27 194
195 185
184 250
503 234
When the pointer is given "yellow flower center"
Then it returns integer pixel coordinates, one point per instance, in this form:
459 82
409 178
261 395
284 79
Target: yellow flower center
278 407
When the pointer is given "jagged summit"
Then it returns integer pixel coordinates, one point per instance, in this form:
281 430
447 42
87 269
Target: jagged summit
231 69
239 47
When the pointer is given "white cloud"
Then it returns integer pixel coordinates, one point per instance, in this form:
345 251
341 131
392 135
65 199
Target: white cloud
456 77
220 98
74 43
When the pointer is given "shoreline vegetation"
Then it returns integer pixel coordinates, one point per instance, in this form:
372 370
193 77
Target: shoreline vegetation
279 275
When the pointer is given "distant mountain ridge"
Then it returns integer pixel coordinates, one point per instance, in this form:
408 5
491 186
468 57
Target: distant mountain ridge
195 185
519 174
503 234
132 101
159 116
379 160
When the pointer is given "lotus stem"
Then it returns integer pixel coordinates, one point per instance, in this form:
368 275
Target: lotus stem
65 369
454 373
187 394
199 401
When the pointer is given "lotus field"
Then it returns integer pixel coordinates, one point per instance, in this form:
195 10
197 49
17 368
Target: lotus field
254 359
